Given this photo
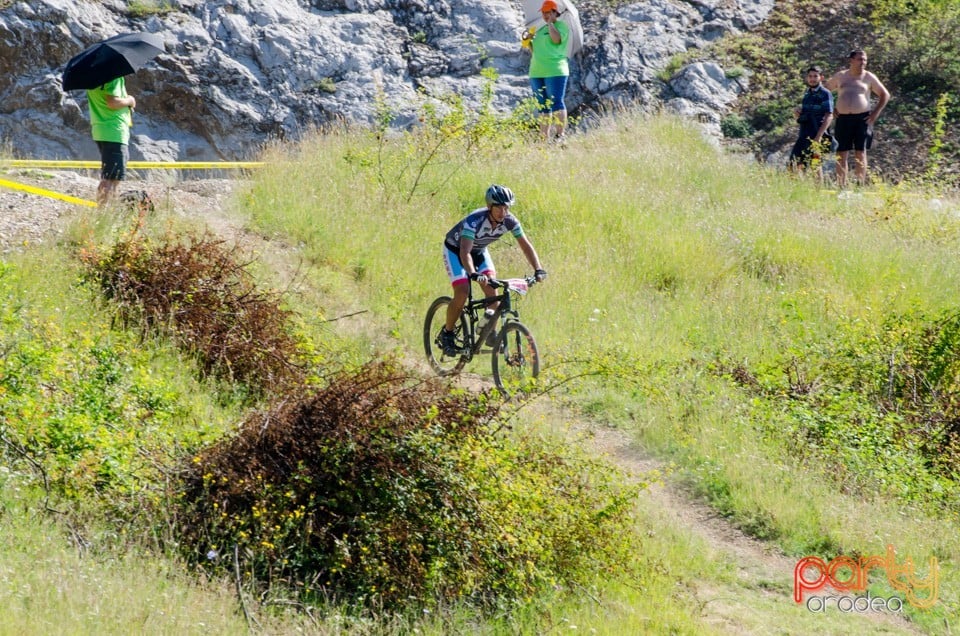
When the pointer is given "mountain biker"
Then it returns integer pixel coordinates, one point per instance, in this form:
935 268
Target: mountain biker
466 257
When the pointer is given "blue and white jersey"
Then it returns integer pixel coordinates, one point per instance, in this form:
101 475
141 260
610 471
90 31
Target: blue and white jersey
478 228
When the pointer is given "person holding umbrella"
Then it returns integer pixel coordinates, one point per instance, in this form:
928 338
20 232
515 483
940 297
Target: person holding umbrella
100 69
549 71
111 117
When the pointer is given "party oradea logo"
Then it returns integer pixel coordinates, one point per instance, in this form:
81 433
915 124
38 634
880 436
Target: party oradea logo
848 577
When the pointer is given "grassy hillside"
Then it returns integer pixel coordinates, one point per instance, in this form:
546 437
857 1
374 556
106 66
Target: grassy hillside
786 349
699 296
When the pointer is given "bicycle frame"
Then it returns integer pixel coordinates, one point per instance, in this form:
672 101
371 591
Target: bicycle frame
504 312
515 358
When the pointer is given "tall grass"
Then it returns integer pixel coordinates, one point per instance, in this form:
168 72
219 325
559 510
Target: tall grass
49 587
631 220
59 575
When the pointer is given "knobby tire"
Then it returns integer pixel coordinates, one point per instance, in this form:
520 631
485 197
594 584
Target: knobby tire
516 359
436 317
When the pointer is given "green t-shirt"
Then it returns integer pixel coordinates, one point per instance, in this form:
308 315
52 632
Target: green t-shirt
108 124
549 59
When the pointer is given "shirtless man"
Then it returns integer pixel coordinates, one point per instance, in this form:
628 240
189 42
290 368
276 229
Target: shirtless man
855 119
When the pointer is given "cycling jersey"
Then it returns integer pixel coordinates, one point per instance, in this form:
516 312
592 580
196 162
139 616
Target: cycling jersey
478 228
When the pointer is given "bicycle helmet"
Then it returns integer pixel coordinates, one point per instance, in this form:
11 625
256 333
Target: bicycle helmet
499 195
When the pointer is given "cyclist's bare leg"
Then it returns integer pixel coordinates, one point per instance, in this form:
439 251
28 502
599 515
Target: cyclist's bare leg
456 305
460 299
489 292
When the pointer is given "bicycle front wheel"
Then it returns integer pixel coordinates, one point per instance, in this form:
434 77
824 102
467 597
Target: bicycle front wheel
434 322
516 361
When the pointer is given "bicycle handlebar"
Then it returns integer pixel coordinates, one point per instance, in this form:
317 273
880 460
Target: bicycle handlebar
503 282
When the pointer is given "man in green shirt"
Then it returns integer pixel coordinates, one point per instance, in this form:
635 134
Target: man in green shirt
549 71
111 116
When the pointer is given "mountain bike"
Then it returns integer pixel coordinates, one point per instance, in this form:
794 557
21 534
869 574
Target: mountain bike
514 355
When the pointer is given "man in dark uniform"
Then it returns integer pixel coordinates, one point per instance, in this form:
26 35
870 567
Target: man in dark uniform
814 117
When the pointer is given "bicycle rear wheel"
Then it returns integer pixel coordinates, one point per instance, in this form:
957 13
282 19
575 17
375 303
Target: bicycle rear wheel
516 360
434 322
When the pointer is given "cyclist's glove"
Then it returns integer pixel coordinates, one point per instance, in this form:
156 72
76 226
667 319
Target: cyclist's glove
540 275
480 278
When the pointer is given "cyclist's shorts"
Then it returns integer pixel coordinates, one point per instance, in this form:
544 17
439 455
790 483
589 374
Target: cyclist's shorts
458 275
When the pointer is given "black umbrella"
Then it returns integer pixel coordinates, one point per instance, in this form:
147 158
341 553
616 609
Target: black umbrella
114 57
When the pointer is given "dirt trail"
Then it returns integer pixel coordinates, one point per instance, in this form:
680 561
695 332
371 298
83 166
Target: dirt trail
762 571
764 574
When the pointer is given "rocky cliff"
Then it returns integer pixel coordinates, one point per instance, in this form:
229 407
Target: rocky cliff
238 72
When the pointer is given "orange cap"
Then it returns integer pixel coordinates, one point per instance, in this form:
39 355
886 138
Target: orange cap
549 5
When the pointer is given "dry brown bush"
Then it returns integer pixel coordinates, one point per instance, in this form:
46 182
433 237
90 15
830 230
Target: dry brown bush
199 290
386 490
354 490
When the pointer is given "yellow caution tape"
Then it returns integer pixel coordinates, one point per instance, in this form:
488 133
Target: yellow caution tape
47 163
46 193
170 165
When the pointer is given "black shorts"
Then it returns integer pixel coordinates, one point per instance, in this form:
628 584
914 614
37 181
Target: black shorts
851 132
803 151
113 160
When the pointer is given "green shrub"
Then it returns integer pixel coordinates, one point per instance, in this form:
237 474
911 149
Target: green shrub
772 114
327 85
878 409
147 8
936 142
736 72
82 412
918 40
733 126
448 133
382 490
